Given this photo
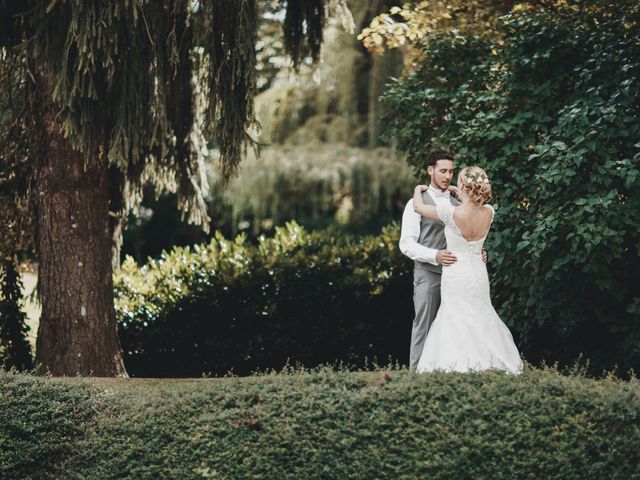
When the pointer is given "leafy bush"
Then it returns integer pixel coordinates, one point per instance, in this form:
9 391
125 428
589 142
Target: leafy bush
298 297
323 424
550 107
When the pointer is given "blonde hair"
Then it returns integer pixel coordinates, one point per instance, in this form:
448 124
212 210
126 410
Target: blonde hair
475 182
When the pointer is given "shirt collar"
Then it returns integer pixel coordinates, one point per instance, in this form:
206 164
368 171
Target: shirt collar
434 192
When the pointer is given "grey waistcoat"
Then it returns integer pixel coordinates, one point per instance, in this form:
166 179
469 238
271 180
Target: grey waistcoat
432 234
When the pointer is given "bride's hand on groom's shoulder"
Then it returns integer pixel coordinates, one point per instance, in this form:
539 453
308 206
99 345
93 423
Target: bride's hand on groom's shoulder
421 188
454 190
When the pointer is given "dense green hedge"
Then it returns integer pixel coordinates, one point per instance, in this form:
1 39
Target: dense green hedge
41 423
298 297
548 103
323 425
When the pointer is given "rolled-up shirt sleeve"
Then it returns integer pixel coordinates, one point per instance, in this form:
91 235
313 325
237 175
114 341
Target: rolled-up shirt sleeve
409 234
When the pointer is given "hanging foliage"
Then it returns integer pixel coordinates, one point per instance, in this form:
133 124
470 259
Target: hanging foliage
361 189
230 31
303 26
16 214
151 83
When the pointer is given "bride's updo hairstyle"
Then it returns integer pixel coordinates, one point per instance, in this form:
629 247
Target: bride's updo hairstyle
475 182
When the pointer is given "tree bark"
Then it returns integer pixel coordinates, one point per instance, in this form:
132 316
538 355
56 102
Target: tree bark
78 333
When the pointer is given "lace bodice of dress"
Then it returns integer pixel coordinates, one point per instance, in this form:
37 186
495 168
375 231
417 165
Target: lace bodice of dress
456 243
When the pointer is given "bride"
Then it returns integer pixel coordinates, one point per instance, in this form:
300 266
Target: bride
467 333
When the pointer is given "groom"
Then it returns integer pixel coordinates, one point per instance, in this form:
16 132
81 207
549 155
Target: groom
422 240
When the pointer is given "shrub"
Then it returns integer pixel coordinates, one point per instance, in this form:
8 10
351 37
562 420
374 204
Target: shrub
323 424
550 109
299 297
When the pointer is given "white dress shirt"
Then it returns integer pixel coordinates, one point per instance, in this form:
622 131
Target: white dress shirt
410 230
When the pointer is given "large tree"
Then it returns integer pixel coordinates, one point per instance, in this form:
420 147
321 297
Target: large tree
116 95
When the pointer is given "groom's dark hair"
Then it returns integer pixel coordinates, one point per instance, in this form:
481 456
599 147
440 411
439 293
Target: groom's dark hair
436 155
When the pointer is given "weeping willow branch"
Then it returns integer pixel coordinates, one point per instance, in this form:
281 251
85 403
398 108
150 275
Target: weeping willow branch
16 124
303 25
231 31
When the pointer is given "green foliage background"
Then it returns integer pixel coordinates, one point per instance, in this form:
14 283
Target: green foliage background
297 298
550 107
546 98
323 425
321 162
316 185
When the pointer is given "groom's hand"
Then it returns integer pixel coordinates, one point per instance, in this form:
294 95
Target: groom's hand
485 256
445 258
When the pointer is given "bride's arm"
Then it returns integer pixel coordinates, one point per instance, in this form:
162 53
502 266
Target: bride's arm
420 207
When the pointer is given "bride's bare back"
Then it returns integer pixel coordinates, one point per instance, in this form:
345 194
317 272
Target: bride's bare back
473 221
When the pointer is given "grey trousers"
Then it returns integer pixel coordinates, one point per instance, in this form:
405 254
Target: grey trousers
426 301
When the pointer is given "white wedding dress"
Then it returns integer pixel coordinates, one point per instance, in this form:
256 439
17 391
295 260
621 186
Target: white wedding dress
467 333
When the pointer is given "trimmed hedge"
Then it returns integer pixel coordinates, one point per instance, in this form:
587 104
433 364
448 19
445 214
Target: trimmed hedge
323 425
299 297
41 423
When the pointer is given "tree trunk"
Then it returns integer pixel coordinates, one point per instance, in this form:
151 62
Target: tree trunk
78 331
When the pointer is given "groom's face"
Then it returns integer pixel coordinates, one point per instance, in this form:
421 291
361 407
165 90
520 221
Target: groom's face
441 174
